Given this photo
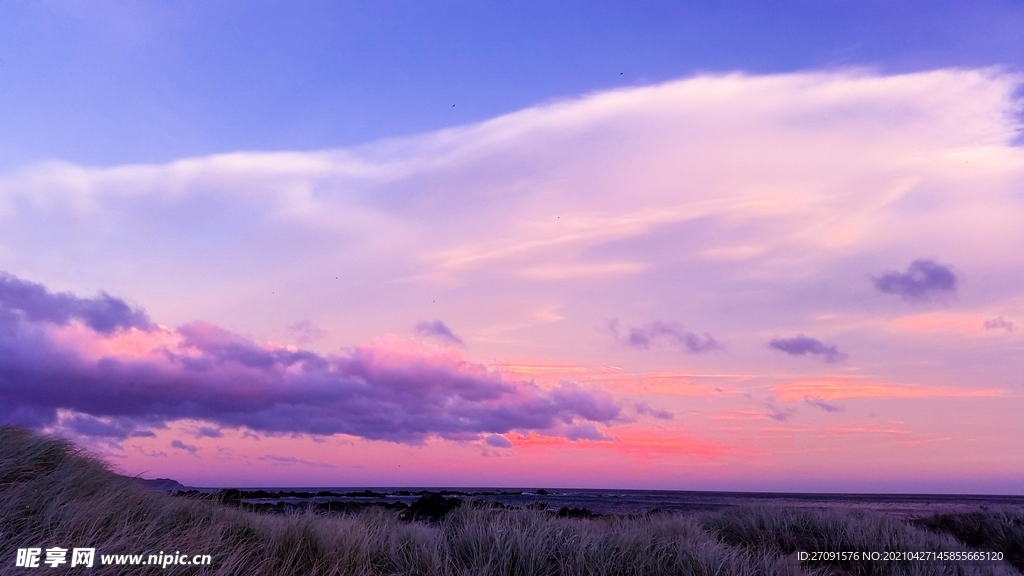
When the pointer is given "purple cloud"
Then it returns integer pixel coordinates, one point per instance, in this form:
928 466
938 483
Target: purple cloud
439 330
922 279
672 332
498 441
643 408
587 431
104 313
305 332
86 425
802 345
387 389
182 446
819 403
778 414
999 323
207 432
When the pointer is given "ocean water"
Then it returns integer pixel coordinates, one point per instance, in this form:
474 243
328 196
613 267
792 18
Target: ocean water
643 501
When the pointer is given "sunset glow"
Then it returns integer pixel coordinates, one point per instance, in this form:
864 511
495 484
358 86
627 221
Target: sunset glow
707 276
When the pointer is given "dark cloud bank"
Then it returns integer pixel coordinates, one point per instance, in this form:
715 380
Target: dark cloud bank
801 345
922 279
382 390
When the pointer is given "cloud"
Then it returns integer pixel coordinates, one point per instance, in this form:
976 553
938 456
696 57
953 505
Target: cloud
498 441
740 203
922 279
306 332
999 323
644 409
671 332
389 388
182 446
777 413
282 460
151 453
819 403
439 330
86 425
207 432
801 345
35 303
846 388
545 207
587 431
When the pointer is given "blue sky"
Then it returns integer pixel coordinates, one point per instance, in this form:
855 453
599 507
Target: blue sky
104 83
752 246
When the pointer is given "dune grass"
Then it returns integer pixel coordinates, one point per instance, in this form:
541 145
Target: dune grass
52 494
998 529
786 531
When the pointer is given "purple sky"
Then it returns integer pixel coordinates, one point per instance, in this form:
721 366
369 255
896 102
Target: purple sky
787 277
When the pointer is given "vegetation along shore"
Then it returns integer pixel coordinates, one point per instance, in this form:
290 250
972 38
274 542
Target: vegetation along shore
54 495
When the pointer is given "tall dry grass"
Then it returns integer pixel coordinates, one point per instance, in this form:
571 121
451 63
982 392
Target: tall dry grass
52 494
787 530
996 529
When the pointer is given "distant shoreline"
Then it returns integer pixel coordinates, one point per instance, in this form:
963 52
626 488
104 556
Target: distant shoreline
604 501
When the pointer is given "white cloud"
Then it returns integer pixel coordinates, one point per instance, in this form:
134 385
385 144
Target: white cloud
679 199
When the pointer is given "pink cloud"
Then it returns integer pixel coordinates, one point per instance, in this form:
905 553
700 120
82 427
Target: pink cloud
972 324
127 378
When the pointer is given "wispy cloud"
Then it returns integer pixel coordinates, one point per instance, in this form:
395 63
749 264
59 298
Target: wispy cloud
645 409
439 330
306 332
586 431
801 345
547 193
999 323
819 403
778 413
922 279
671 332
289 460
845 388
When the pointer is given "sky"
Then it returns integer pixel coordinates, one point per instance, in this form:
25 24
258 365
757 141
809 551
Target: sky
766 246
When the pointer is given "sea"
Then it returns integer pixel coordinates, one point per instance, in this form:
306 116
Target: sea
625 502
